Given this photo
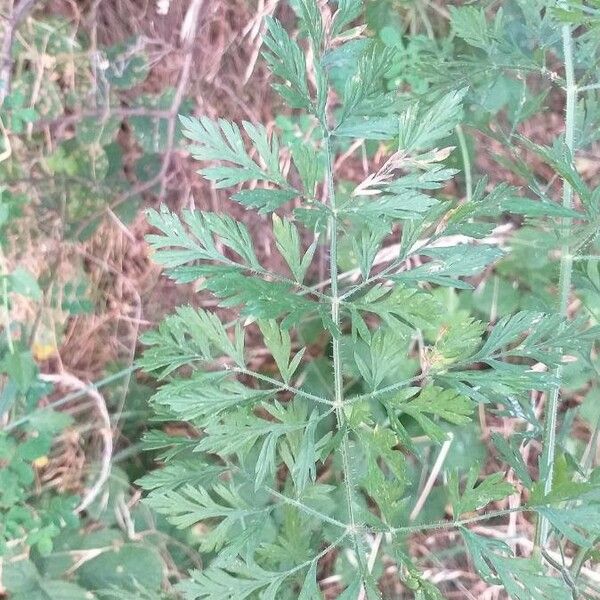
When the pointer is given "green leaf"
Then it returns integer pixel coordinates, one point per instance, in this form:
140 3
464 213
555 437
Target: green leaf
522 578
560 158
455 340
221 140
21 369
510 453
364 93
287 240
477 495
579 524
347 11
23 282
279 343
125 567
368 127
261 299
385 477
153 133
422 128
310 589
309 166
470 24
238 582
189 505
366 244
286 60
541 337
397 306
310 16
238 432
383 358
184 472
444 404
189 335
207 395
264 200
518 205
406 204
193 238
449 263
127 64
305 468
23 582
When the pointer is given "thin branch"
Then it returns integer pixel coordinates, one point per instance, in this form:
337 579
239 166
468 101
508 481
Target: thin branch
105 431
85 391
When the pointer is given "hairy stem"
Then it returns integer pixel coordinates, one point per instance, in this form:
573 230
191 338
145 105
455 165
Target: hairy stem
566 267
464 152
338 402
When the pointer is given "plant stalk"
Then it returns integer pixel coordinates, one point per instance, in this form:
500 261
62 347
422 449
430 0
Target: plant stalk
5 306
566 267
338 402
464 152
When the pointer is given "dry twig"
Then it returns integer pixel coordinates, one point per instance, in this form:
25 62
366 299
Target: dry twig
105 431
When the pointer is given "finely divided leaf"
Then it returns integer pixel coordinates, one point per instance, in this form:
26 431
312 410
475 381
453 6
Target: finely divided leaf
194 236
264 200
222 141
310 16
347 11
450 263
279 343
187 336
522 578
206 395
364 93
477 494
286 60
422 128
288 243
470 24
444 404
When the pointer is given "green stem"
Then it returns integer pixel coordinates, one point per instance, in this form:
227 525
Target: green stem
464 151
5 307
338 402
566 267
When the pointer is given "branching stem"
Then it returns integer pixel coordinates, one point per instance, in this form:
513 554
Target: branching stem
338 401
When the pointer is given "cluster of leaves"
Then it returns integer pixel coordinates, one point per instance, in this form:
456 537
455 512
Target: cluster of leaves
319 456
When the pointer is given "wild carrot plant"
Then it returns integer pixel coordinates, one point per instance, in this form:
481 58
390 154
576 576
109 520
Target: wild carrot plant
317 459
